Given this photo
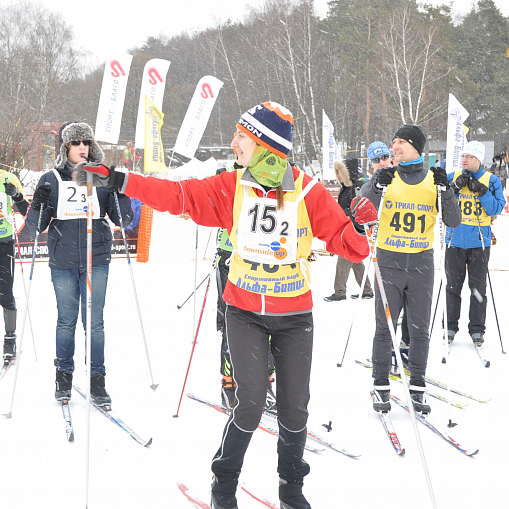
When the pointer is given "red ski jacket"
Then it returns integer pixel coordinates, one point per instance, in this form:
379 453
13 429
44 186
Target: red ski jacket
209 202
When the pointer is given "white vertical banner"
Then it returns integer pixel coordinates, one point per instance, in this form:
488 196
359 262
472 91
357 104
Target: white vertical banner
456 137
111 101
197 116
329 148
152 86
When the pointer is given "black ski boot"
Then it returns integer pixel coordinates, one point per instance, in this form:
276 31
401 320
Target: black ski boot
9 346
290 495
382 392
63 383
98 390
223 494
417 390
477 338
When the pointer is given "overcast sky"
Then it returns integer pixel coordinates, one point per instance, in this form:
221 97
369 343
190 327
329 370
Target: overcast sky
103 27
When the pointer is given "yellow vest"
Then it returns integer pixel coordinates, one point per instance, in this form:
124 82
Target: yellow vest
408 217
471 207
278 280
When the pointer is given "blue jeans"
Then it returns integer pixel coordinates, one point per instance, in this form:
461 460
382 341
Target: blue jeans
70 287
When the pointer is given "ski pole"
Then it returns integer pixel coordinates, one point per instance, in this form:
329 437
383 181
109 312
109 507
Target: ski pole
444 281
126 247
398 356
22 273
364 277
88 327
18 362
194 345
488 272
193 292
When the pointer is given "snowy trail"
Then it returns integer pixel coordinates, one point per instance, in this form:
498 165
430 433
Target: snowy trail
39 468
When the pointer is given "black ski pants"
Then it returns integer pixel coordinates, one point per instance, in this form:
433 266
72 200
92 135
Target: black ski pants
291 344
7 300
414 288
456 262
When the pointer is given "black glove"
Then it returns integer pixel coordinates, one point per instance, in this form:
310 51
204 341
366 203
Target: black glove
461 182
440 178
11 190
476 187
385 177
41 196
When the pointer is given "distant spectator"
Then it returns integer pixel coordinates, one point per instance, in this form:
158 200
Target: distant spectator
130 156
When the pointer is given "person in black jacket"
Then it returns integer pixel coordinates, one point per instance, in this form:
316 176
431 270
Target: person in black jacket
347 176
62 206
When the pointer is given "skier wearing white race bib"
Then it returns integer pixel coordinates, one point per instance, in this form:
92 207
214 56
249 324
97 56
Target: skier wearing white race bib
64 211
271 212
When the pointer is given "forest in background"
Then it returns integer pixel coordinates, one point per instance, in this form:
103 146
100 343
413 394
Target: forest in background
372 65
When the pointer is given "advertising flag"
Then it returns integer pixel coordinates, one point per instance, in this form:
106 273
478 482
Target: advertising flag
329 148
111 101
152 86
197 116
456 135
154 152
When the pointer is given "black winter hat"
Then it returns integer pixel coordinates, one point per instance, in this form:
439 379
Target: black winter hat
413 134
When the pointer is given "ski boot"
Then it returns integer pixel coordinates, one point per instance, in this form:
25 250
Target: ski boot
9 346
477 338
223 494
228 387
382 391
417 390
290 495
98 390
63 383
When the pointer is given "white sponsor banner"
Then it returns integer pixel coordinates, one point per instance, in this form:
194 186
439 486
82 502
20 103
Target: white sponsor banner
197 116
456 138
111 102
329 148
152 86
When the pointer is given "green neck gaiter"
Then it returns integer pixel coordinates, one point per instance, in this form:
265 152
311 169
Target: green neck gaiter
267 168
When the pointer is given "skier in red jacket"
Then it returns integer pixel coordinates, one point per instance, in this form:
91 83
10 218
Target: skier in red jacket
272 212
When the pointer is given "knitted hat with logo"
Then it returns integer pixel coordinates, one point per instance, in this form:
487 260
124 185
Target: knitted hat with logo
414 135
270 125
77 131
476 149
377 149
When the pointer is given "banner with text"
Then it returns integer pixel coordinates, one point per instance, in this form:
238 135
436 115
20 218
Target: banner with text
329 148
154 152
456 135
153 84
111 101
197 116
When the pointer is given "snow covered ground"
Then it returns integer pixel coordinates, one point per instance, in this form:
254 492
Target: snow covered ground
40 469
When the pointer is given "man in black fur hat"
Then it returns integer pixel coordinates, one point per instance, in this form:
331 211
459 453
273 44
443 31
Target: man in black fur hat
62 206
